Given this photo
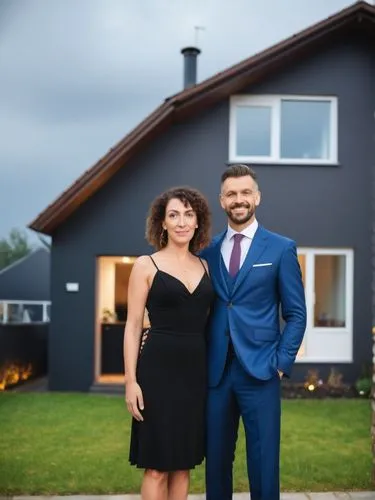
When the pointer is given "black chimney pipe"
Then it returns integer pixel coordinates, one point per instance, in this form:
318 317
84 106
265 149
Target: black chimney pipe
190 66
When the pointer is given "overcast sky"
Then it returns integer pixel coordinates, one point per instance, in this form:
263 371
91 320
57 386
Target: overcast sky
77 75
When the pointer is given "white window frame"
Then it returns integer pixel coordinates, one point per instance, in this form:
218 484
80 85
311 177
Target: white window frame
274 101
327 344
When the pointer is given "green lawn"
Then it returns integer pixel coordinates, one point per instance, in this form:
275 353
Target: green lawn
78 443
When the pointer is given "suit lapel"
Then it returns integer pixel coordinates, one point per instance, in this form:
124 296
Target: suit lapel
256 249
218 263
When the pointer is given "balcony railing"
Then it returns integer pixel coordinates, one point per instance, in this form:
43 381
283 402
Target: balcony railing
24 311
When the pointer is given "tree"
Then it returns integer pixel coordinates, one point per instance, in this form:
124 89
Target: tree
14 247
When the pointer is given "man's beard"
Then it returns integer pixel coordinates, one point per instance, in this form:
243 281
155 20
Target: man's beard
240 219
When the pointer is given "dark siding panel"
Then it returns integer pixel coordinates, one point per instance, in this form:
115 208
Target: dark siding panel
71 347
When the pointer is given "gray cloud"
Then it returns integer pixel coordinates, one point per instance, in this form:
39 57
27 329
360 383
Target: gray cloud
77 75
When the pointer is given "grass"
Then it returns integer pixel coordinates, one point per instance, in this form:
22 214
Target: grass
55 443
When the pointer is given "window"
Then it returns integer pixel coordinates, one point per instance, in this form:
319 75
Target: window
24 311
328 280
283 129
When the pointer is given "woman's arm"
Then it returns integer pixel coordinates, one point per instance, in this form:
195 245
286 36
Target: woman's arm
137 296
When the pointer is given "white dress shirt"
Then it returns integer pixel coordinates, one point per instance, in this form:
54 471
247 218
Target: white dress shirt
228 242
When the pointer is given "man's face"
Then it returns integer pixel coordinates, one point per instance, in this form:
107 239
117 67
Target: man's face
239 198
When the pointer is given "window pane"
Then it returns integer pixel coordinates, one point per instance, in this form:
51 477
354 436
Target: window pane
305 129
15 313
253 131
330 286
32 313
25 313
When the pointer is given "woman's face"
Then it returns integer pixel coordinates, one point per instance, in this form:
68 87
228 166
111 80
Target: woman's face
180 222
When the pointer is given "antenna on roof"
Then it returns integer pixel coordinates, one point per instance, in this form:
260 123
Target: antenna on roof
197 29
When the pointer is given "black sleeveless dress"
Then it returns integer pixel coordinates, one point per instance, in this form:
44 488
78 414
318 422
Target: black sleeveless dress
171 372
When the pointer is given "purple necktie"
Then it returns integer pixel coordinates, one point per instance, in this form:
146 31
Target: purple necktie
235 258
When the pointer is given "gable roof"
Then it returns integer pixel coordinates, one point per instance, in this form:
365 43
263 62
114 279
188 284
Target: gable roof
358 17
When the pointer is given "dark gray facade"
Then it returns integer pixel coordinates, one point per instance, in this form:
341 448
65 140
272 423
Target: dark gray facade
318 206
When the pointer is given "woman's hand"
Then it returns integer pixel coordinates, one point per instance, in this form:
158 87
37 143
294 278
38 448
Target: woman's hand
134 400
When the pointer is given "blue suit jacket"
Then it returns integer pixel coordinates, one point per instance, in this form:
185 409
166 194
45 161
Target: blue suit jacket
251 310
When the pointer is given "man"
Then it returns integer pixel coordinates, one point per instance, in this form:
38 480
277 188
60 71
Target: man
255 274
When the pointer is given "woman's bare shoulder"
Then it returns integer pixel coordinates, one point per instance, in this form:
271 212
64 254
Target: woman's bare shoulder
204 262
142 264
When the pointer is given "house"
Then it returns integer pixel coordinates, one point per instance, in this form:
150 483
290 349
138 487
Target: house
302 114
25 289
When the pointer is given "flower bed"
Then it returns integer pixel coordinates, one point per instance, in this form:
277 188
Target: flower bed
291 390
315 388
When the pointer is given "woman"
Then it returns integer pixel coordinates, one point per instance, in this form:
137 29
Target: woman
166 366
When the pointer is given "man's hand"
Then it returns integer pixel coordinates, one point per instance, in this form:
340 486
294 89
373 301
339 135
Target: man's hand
280 374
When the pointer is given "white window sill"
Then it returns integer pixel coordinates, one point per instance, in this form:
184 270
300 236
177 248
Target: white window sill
323 360
275 161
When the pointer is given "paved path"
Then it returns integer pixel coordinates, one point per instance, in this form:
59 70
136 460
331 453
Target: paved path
356 495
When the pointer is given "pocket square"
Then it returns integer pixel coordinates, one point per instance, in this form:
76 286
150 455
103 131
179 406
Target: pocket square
263 265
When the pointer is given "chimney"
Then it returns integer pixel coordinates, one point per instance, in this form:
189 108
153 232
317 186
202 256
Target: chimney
190 66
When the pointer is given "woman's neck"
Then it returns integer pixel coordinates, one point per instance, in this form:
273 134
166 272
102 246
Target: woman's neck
178 252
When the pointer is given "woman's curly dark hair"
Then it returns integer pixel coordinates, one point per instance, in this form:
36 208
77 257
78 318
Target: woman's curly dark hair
155 234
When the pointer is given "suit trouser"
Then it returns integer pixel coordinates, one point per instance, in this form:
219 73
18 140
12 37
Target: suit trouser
258 403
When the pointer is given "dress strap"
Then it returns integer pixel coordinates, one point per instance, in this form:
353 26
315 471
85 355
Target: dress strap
154 262
204 267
